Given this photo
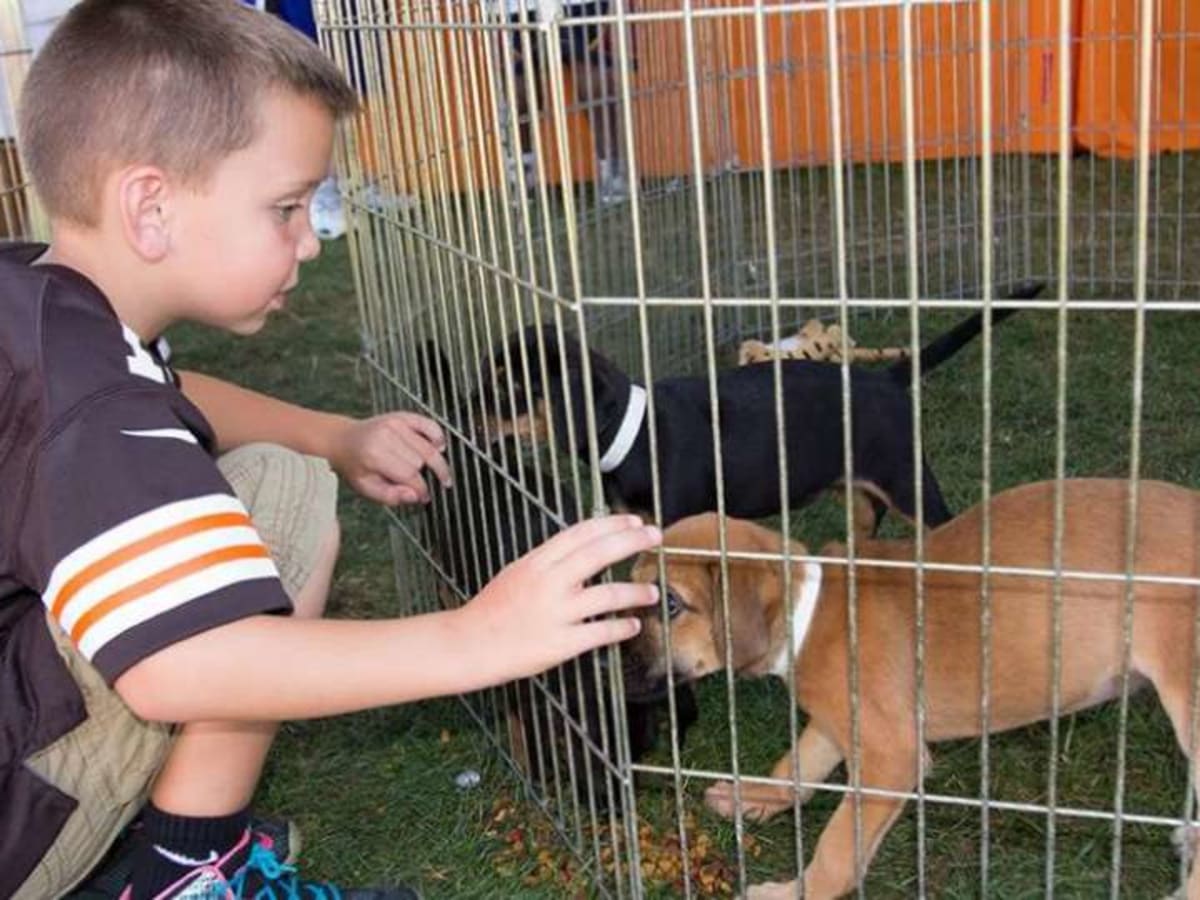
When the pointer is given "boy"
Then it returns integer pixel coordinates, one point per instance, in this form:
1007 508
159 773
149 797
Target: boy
175 145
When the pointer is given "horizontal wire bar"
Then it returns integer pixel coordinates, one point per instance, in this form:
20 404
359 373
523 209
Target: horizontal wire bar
717 12
942 799
932 566
970 304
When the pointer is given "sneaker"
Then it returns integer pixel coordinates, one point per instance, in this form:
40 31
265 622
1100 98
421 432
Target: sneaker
281 836
325 211
263 876
614 186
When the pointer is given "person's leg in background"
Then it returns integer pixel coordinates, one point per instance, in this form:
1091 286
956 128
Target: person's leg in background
591 52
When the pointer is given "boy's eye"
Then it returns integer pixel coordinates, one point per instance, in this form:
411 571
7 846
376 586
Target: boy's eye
285 211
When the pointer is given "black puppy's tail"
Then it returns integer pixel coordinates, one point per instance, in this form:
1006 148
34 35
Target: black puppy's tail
946 345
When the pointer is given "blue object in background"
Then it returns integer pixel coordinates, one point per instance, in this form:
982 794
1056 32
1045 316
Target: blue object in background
297 13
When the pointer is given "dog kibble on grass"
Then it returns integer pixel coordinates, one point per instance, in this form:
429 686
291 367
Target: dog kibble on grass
527 848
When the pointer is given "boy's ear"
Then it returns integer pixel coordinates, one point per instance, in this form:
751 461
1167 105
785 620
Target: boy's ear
142 197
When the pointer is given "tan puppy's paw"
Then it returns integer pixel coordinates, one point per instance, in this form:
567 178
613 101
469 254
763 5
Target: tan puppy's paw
759 801
1185 838
774 890
719 798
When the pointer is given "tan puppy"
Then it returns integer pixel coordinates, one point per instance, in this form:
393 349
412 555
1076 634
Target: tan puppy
1021 622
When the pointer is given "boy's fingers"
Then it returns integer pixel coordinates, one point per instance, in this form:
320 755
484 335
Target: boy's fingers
604 632
437 463
615 597
580 534
604 550
428 429
426 451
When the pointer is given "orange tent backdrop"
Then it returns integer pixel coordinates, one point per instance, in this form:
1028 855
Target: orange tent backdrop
432 123
1106 98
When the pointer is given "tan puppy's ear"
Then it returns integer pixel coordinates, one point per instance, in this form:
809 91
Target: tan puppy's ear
755 600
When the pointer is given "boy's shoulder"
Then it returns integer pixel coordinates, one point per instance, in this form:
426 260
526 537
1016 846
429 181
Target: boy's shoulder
60 340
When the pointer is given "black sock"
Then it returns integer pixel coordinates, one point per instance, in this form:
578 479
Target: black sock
173 845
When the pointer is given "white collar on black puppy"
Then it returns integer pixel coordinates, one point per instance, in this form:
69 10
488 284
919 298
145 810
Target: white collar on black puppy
631 424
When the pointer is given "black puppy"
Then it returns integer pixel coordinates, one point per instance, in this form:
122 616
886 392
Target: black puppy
480 525
881 424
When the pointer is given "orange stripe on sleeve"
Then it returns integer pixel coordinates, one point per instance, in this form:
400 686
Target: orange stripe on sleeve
131 551
165 577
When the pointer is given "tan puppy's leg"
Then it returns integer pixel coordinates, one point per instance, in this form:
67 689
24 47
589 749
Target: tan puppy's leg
818 757
1171 683
832 872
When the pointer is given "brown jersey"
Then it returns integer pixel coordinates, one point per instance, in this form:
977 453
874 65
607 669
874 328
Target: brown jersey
113 517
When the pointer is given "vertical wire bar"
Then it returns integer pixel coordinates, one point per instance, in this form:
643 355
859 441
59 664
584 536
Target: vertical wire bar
914 287
697 161
960 196
973 227
496 486
1114 90
1156 221
1181 82
870 152
791 154
1026 191
1145 59
1188 829
1189 800
500 245
1065 101
620 738
525 230
448 93
815 249
639 267
985 599
765 133
854 763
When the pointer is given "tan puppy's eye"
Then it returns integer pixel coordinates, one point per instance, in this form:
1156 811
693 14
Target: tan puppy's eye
674 604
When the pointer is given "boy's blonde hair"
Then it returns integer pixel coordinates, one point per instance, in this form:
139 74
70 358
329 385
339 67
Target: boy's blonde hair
172 83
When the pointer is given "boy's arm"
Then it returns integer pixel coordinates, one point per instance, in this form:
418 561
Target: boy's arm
535 614
382 457
242 416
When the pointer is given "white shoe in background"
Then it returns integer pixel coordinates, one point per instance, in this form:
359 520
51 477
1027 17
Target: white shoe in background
325 211
614 186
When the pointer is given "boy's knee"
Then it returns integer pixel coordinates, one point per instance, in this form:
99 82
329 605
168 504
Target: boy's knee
292 501
309 601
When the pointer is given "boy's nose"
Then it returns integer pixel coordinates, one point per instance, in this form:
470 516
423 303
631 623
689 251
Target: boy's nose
309 245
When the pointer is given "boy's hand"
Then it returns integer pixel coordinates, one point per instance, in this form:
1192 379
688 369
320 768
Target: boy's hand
533 614
382 457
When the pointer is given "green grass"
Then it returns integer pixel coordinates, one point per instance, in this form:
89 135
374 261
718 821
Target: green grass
374 792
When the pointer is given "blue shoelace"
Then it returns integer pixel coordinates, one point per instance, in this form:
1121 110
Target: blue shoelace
280 881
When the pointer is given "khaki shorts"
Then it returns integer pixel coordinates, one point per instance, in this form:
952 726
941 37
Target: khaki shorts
109 762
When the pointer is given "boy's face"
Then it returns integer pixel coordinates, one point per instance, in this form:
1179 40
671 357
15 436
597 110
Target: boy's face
238 240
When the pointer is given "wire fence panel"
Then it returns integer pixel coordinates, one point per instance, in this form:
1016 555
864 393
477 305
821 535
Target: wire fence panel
886 310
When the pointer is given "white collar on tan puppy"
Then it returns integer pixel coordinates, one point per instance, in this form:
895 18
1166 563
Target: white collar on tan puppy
627 433
803 609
